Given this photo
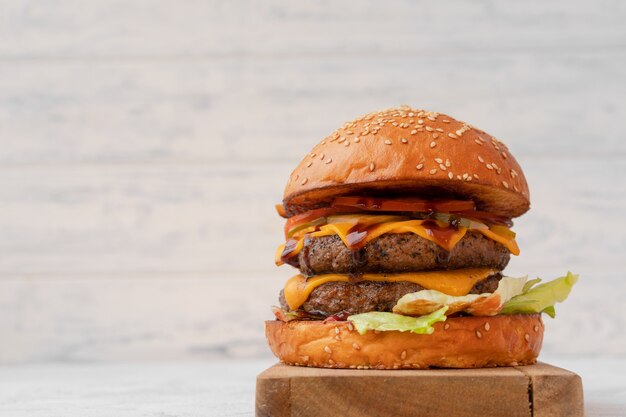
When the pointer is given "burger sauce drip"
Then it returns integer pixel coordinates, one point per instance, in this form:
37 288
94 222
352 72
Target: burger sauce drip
441 234
288 251
356 237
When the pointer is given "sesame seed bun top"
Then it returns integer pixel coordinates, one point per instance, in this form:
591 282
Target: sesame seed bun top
413 152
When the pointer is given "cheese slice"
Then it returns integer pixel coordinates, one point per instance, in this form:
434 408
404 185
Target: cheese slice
342 229
457 282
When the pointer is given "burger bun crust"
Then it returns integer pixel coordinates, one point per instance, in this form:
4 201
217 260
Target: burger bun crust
407 151
460 342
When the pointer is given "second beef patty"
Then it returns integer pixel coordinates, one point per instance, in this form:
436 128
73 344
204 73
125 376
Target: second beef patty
364 296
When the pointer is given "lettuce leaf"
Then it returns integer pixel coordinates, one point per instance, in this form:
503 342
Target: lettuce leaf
541 298
382 321
486 304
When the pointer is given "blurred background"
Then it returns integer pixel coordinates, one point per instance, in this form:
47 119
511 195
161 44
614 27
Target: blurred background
144 144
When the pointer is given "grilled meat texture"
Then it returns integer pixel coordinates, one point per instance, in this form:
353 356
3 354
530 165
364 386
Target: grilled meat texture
398 252
364 296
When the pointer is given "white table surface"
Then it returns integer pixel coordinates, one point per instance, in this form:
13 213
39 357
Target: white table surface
185 389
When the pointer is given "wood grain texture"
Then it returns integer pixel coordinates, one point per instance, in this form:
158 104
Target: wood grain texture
537 390
556 391
137 139
224 389
205 111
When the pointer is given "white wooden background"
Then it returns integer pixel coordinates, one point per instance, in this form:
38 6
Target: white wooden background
143 145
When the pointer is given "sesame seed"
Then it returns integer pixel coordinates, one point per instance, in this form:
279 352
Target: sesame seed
356 140
494 165
515 188
403 355
479 334
433 171
431 118
443 167
309 164
372 166
429 129
313 155
459 132
346 143
338 337
304 181
350 326
465 175
420 121
506 184
458 177
487 326
527 337
450 175
453 136
411 114
504 155
447 326
322 157
448 163
446 121
536 328
469 178
387 142
480 158
413 132
475 176
439 160
480 138
341 140
435 135
440 130
337 330
355 346
489 166
478 142
327 349
433 144
403 140
419 166
329 161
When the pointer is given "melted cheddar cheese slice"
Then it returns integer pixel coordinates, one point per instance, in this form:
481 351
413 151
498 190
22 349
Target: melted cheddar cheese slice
457 282
500 234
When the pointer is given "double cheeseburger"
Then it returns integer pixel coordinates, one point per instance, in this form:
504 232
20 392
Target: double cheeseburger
400 224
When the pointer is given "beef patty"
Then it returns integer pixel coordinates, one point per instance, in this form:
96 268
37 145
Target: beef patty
398 252
363 296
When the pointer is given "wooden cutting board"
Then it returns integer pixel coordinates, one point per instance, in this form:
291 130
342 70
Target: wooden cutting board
538 390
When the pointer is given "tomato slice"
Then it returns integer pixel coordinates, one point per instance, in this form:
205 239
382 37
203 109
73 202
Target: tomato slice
404 204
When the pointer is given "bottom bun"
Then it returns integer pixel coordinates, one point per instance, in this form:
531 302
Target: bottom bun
460 342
